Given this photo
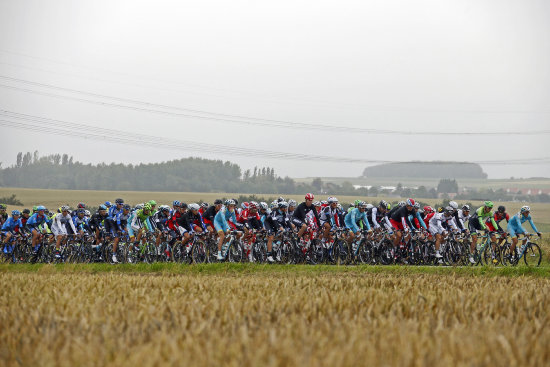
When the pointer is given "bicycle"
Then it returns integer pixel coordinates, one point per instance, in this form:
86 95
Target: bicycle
529 251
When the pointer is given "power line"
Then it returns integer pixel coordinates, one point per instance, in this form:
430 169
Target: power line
251 121
65 128
249 94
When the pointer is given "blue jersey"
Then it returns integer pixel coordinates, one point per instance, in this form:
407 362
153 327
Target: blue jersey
10 224
223 215
36 220
517 220
354 217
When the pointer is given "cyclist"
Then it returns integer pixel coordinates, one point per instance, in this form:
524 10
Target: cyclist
35 224
210 213
477 223
11 225
499 215
461 216
330 218
437 229
299 215
357 215
203 208
3 214
515 228
25 215
59 227
80 221
225 214
276 223
96 222
139 222
291 208
120 225
415 220
112 212
398 219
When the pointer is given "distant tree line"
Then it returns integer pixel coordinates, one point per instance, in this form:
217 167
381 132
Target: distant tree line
61 171
426 169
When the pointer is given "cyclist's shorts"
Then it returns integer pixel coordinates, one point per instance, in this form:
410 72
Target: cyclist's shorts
397 225
58 231
435 230
207 222
130 231
297 222
220 226
490 227
515 231
474 225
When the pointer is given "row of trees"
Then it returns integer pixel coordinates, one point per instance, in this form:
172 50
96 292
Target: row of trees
60 171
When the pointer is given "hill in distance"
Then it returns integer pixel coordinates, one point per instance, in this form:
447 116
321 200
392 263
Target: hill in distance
419 169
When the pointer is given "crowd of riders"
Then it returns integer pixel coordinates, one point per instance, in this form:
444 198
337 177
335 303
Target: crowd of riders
181 221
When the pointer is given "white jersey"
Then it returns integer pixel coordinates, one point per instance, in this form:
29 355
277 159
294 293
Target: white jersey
60 222
436 223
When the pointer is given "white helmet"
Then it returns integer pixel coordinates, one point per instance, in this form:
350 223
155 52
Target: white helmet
194 206
453 205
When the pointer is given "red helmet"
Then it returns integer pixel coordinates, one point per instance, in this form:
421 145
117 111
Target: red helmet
309 196
252 205
428 209
410 202
244 205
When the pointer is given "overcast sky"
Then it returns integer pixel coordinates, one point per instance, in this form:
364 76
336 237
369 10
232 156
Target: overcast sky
426 65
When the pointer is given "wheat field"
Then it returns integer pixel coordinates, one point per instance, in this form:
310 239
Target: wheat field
57 318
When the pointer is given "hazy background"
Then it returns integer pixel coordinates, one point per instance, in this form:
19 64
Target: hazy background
432 65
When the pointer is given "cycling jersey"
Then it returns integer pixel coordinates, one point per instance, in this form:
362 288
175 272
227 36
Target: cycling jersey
209 214
497 217
332 216
96 221
299 215
416 221
81 224
478 218
437 220
10 225
37 220
222 219
354 217
277 220
139 220
63 224
399 218
514 225
460 219
121 220
377 218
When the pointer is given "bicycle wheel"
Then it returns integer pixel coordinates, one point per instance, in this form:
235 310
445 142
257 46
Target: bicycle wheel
453 253
385 253
235 252
259 251
491 255
178 252
212 251
198 252
532 255
365 254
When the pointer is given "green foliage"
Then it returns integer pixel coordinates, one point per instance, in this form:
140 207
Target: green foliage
447 185
426 169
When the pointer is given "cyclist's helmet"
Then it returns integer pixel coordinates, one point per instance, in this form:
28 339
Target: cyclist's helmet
40 207
363 205
340 207
292 202
466 207
3 206
453 205
119 201
411 202
65 208
15 212
309 196
324 202
282 204
194 206
81 206
274 204
383 204
183 205
525 208
252 205
449 209
205 205
236 201
126 207
370 206
401 203
316 203
280 199
147 206
80 211
176 203
102 207
87 213
332 199
244 205
501 209
489 204
108 204
263 205
26 211
152 202
218 202
428 209
229 202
